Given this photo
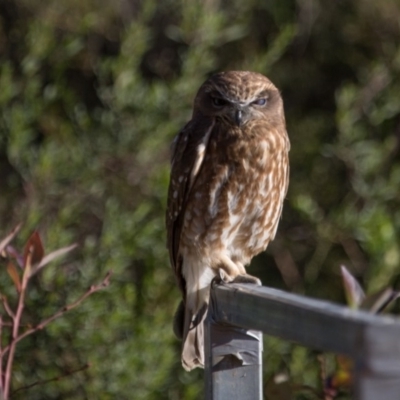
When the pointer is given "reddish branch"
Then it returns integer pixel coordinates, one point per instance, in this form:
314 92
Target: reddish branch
7 307
16 323
59 313
32 261
16 319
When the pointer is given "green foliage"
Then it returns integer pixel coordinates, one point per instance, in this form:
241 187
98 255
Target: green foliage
92 93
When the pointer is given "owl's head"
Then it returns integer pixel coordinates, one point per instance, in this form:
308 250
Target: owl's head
236 97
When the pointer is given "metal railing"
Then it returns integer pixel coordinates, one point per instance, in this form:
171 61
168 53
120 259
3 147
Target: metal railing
233 340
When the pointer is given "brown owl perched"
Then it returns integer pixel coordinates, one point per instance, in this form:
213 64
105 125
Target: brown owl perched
229 177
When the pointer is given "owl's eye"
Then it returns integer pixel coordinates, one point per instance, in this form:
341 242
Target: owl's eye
218 102
260 102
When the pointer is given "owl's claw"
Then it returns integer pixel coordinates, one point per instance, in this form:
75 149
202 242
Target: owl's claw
223 277
246 278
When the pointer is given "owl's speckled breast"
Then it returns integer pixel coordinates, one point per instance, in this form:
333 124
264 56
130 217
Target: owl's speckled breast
236 200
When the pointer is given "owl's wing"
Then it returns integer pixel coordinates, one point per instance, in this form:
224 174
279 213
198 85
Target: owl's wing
188 150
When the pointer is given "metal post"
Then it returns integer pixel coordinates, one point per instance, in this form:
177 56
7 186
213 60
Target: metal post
377 364
233 358
233 354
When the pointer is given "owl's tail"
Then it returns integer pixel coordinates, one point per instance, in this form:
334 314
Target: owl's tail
198 280
193 338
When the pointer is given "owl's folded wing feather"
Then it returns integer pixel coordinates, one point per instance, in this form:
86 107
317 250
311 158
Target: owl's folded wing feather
188 150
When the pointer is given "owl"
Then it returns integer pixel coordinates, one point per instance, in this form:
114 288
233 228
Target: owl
229 177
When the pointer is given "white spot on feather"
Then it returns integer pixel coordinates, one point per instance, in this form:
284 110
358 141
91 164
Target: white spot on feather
215 192
201 149
232 201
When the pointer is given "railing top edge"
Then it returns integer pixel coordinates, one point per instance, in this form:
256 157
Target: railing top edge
304 303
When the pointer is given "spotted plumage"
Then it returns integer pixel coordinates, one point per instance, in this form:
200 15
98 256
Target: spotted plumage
229 177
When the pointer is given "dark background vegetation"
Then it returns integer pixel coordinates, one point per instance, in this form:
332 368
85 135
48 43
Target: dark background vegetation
92 93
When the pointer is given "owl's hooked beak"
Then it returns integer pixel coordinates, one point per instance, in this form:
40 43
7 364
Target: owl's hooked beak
238 114
239 117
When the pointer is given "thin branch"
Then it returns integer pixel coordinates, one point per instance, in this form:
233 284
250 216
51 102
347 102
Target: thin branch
7 307
62 311
10 237
16 323
57 378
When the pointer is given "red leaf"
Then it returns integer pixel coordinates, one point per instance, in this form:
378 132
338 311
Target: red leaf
12 271
35 247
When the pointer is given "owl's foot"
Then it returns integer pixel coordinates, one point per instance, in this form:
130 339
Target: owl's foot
241 278
246 278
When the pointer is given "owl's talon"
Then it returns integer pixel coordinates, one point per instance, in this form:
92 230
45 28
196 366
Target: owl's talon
247 279
217 281
223 276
